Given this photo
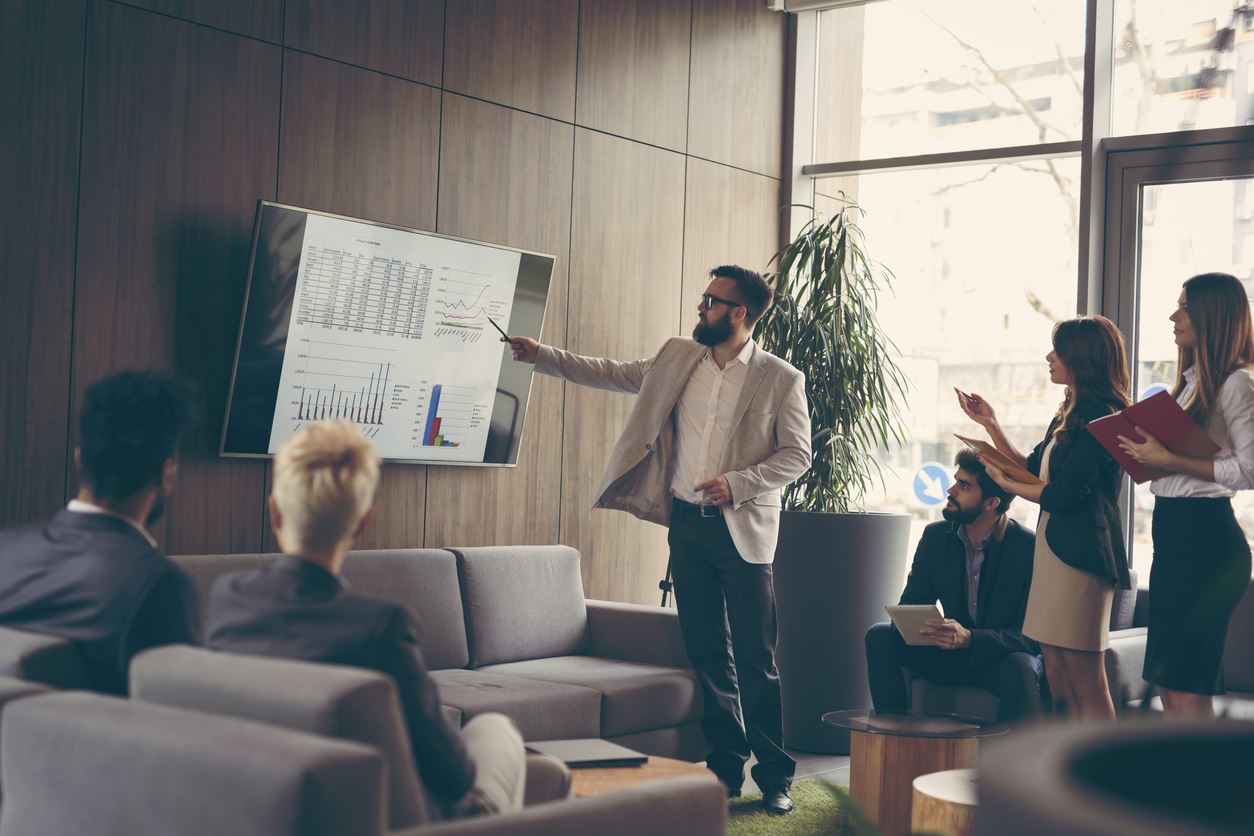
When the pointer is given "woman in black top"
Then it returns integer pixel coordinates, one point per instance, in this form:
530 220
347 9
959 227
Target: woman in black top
1201 558
1080 557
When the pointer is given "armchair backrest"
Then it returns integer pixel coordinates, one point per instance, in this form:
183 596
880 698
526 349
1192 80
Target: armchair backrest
331 700
75 763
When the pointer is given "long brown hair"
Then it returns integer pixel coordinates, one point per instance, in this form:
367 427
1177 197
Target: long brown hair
1220 313
1092 348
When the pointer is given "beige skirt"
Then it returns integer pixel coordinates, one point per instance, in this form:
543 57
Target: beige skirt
1066 606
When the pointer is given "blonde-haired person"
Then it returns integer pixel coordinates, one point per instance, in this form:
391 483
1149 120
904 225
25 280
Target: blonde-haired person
1201 558
325 478
1080 556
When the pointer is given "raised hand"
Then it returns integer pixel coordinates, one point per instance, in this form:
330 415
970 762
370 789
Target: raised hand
976 408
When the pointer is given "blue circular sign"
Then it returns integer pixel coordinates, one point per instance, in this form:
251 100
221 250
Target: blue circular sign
931 484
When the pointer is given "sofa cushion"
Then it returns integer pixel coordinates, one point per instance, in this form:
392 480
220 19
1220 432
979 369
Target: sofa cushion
424 581
635 697
541 710
1123 607
39 658
522 602
84 763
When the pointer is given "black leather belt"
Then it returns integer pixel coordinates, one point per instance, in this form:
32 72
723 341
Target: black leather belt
706 511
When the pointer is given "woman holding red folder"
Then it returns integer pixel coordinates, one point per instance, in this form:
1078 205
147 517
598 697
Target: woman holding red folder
1201 558
1080 556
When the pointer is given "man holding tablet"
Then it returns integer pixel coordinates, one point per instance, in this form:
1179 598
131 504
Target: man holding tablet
977 563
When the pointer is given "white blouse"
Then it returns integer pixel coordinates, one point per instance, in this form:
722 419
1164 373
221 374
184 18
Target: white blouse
1232 427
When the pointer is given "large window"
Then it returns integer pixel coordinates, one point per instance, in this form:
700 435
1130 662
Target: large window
970 135
1181 65
983 251
947 75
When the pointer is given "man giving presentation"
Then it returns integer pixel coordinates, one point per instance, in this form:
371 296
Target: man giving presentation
719 428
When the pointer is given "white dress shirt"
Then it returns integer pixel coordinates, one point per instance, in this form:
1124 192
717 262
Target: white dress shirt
1231 425
703 418
80 507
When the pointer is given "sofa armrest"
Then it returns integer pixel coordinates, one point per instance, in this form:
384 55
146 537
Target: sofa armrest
636 633
687 806
1125 660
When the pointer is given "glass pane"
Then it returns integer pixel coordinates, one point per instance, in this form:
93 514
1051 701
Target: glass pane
907 77
1182 65
978 289
1186 229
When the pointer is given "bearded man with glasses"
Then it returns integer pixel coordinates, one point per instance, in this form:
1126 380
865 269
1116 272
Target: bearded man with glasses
720 427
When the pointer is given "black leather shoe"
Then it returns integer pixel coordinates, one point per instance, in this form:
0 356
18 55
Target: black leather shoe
777 802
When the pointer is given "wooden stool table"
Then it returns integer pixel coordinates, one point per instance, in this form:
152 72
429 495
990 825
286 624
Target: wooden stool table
586 781
943 802
889 749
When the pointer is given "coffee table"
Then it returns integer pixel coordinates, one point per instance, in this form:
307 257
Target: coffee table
586 781
889 749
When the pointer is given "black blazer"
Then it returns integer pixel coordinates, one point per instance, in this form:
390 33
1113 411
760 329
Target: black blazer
298 610
94 580
939 572
1082 499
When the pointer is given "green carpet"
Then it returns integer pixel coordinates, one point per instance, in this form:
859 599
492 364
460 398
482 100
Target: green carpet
818 811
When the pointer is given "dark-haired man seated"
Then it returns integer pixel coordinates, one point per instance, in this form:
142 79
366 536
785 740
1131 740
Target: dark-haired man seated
325 477
978 563
93 574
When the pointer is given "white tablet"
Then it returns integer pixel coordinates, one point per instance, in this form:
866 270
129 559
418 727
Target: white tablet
909 619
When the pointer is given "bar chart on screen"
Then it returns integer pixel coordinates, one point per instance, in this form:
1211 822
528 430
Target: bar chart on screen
354 382
450 415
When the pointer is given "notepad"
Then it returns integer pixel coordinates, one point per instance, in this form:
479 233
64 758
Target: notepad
991 454
909 619
1161 417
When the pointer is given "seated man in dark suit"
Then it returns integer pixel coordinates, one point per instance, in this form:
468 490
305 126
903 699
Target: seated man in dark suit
93 574
978 563
323 489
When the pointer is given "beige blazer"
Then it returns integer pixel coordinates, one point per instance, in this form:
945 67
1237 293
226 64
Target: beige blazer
768 443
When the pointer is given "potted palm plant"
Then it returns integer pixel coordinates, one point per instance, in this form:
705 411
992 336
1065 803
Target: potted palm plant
836 566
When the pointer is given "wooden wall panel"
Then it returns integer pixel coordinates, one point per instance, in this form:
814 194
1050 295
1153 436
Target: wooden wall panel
730 217
255 18
491 53
633 69
505 177
399 37
626 258
367 145
181 126
41 64
838 114
737 92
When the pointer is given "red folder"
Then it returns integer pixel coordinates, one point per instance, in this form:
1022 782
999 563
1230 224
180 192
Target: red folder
1161 417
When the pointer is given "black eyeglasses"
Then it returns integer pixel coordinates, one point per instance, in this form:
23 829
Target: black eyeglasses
710 300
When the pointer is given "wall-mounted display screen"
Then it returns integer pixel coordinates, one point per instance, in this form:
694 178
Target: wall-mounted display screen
387 327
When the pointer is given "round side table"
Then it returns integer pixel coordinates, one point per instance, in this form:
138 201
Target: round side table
944 802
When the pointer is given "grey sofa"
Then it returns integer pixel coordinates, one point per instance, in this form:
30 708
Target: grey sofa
508 630
77 763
